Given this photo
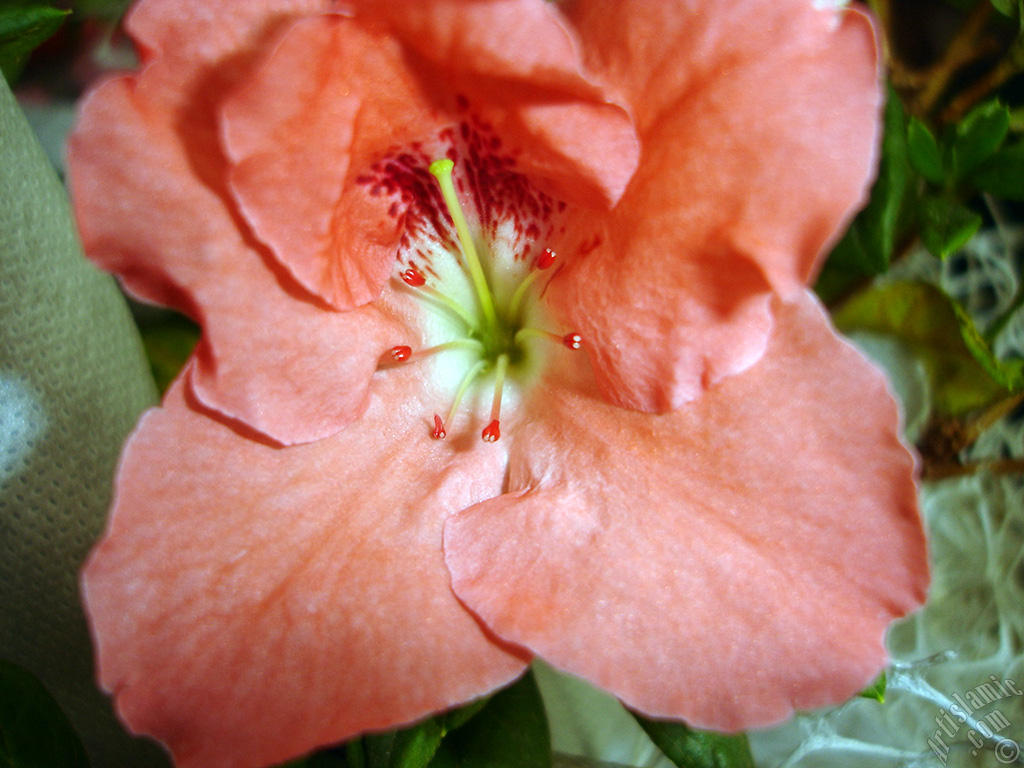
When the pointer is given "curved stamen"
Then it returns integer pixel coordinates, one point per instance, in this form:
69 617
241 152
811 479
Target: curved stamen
442 171
545 260
404 354
492 431
471 374
441 300
569 341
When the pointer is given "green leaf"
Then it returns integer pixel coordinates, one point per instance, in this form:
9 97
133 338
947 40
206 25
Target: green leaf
510 731
876 690
869 243
1002 174
23 26
690 748
934 327
168 339
924 153
978 136
946 225
34 732
409 748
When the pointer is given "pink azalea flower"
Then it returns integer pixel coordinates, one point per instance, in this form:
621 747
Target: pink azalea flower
706 510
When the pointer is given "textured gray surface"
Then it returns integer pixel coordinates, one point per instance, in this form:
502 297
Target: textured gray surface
73 380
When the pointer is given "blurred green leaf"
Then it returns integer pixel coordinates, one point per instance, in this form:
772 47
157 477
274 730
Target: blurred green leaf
23 26
924 153
1013 9
34 732
689 748
107 9
168 339
409 748
935 328
978 136
510 731
1008 373
946 225
869 243
876 690
1002 174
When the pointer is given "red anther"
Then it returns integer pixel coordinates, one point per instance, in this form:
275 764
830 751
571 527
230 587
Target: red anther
401 353
413 277
545 260
438 433
572 340
491 432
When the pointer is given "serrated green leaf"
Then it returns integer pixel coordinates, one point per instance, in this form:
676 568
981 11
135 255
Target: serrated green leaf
1002 174
34 732
690 748
869 243
510 731
931 325
23 27
946 225
924 154
978 136
876 690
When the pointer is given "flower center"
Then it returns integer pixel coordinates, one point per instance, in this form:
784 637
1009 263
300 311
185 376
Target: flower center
490 314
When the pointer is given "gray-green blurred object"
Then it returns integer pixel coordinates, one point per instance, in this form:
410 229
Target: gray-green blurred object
73 381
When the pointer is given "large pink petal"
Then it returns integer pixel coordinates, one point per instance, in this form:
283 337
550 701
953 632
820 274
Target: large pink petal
334 97
578 144
340 94
271 358
759 121
724 563
250 603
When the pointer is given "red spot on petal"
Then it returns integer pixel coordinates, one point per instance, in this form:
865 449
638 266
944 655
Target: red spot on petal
413 277
401 353
438 433
491 432
572 340
546 259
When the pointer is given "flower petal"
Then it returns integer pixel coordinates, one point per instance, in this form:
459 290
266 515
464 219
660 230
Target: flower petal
340 94
528 80
759 123
251 603
332 99
723 564
145 215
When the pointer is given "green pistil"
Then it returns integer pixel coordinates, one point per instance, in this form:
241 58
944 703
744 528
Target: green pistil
442 171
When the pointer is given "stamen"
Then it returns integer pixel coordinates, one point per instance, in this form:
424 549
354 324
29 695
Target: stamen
471 374
544 261
492 431
415 279
403 353
569 341
442 171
